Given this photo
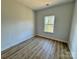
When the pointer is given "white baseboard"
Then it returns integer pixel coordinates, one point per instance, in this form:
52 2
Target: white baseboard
24 39
53 38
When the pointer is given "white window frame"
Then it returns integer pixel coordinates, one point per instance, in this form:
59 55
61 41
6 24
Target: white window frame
49 24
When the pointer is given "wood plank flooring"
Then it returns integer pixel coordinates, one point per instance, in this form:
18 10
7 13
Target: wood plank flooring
38 48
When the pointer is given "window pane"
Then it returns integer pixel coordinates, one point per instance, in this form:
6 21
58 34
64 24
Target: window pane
46 20
49 28
49 24
49 19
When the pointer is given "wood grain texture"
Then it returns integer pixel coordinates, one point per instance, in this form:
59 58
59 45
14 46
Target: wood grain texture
38 48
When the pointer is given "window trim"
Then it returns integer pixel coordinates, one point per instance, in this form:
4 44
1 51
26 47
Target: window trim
49 24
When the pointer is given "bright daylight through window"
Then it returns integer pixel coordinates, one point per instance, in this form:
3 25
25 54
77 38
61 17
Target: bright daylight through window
49 24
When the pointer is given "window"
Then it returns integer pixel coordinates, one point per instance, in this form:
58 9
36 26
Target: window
49 24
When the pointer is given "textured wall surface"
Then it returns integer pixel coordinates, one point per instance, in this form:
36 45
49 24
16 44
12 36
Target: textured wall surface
73 35
63 20
17 23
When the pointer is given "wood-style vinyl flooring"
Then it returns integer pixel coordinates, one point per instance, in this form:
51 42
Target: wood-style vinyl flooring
38 48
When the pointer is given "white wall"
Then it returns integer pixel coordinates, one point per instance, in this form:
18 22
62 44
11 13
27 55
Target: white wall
73 35
17 23
63 15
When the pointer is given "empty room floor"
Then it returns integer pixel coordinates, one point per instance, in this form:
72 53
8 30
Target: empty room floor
38 48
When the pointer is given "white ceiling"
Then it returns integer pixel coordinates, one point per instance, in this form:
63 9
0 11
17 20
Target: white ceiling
40 4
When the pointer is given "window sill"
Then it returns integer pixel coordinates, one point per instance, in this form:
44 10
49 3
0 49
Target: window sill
49 32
